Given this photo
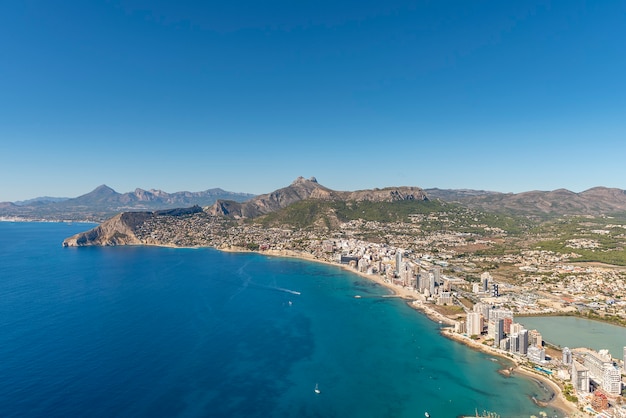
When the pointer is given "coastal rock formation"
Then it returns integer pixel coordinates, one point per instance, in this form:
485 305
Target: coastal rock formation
121 229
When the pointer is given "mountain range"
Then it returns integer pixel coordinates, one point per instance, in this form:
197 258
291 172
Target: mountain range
307 204
595 201
104 202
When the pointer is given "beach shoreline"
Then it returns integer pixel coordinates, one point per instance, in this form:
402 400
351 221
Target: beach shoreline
415 301
557 400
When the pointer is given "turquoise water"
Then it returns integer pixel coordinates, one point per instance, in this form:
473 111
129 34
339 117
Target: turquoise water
572 332
145 332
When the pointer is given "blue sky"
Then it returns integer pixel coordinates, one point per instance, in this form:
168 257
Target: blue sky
247 95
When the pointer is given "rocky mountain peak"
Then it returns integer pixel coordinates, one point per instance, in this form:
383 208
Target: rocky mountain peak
103 189
302 180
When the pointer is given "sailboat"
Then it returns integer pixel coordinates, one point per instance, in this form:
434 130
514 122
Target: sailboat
317 389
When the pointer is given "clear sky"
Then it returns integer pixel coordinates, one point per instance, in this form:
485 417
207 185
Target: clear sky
247 95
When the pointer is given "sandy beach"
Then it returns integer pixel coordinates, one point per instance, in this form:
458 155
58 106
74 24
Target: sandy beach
558 400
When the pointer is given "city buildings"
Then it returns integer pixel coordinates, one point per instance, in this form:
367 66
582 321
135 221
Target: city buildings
567 356
603 372
474 323
580 377
536 354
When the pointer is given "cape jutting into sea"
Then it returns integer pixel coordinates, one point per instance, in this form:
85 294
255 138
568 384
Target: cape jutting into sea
150 332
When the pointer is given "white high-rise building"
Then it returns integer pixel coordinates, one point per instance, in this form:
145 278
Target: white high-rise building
505 344
580 377
603 371
516 328
475 288
498 331
536 354
567 356
398 261
432 281
514 343
612 380
437 273
485 309
535 338
523 341
474 324
460 327
445 298
422 281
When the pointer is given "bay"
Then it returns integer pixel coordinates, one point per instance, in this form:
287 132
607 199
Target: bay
147 331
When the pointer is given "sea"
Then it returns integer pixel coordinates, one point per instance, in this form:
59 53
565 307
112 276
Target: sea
166 332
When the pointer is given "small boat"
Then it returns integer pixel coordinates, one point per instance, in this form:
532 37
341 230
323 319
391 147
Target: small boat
426 414
317 389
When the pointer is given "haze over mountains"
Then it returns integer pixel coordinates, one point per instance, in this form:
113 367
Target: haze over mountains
104 202
595 201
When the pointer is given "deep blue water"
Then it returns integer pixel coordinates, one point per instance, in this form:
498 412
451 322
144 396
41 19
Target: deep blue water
150 332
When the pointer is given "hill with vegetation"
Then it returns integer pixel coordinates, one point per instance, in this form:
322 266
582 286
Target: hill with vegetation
302 189
540 204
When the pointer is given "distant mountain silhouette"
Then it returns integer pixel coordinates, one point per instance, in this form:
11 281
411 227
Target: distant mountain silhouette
104 202
595 201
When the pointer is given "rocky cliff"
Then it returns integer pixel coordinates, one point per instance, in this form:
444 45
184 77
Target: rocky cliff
121 229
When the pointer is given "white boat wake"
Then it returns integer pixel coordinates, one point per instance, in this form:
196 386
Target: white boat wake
282 289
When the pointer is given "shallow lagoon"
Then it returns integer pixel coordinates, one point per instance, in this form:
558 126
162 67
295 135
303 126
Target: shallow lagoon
572 332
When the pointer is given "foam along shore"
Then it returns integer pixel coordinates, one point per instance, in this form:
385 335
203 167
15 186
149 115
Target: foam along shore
415 300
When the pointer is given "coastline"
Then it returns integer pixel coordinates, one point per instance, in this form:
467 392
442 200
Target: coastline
557 401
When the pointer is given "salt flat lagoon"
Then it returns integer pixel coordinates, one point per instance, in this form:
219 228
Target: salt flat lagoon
572 332
148 332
